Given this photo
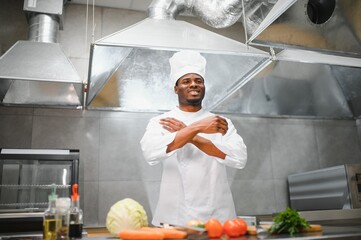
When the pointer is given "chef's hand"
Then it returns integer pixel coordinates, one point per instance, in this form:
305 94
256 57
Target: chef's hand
213 124
172 124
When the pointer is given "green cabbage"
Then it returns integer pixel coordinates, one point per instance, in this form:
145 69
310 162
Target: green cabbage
126 214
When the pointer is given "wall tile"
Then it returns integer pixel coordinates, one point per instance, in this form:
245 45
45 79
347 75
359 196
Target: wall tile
253 197
13 24
132 115
338 143
73 133
16 111
120 154
58 112
114 20
89 195
292 147
72 37
255 134
281 195
114 191
15 131
140 4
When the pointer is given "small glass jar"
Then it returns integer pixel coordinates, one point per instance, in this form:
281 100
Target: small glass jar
62 218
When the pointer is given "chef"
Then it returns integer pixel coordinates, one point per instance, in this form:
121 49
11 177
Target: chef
194 146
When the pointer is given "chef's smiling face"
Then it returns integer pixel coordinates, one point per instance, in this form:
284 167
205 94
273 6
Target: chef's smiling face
190 89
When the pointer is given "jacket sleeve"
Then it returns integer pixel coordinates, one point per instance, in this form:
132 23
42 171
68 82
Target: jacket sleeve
155 141
233 146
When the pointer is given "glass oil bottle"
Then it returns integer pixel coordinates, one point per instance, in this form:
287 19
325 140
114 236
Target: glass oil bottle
49 219
76 215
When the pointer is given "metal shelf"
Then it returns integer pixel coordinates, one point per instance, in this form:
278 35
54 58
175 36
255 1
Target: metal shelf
32 186
23 204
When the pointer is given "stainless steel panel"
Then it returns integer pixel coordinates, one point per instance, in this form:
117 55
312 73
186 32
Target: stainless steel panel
37 61
293 88
325 189
43 93
260 14
131 73
307 24
176 35
43 73
44 6
141 81
104 62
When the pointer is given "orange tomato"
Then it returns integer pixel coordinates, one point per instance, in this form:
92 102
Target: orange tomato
214 228
242 225
232 228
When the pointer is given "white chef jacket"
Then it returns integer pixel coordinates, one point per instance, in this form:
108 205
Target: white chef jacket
194 185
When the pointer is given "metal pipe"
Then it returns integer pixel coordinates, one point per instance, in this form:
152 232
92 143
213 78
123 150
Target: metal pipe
218 13
215 13
165 9
43 27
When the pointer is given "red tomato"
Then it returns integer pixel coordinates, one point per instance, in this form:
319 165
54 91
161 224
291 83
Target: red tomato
214 228
242 225
232 228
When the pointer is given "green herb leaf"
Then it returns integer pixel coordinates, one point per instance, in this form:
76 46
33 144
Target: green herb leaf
288 221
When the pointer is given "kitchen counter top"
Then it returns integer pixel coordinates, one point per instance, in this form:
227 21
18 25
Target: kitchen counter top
329 232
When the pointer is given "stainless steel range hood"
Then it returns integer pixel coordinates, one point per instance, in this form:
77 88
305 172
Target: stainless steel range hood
323 79
298 78
37 72
301 83
332 26
129 70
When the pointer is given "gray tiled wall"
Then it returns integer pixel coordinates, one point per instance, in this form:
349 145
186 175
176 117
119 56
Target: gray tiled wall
112 166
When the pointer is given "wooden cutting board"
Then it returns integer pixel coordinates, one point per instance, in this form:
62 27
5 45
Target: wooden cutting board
251 230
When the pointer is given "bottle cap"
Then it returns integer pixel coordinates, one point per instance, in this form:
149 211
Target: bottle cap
75 195
53 196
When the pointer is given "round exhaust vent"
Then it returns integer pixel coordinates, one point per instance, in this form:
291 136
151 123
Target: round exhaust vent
319 11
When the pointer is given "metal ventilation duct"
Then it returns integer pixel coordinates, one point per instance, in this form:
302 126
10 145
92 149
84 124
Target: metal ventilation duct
332 26
129 69
37 72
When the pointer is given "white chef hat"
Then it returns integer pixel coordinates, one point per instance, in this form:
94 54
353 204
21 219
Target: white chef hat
186 61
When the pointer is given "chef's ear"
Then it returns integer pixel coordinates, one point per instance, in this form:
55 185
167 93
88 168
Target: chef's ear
176 87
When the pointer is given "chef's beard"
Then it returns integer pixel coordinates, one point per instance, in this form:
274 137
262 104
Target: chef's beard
195 102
